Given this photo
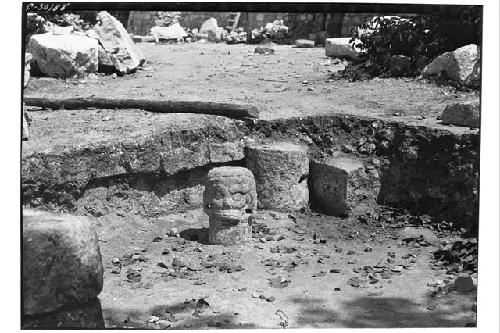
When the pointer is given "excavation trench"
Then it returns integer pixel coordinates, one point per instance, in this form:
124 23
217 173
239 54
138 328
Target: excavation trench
301 269
425 170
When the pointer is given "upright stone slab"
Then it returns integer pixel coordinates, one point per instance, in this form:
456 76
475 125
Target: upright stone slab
116 42
62 263
340 185
280 171
230 201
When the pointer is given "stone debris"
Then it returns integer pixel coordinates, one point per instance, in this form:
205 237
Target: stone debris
280 171
63 249
461 65
462 114
120 51
276 32
64 56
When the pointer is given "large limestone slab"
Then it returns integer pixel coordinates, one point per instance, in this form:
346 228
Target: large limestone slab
62 263
461 65
339 186
280 171
64 56
118 45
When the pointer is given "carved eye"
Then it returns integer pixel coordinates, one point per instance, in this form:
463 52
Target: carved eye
249 210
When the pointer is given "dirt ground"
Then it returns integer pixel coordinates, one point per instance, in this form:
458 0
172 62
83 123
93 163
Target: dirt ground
290 83
314 279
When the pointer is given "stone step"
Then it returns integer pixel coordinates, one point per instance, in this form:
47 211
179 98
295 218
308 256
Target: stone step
341 186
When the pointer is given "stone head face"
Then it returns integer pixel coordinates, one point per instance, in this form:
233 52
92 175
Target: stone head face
230 193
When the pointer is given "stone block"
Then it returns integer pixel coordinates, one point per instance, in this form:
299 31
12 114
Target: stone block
462 65
230 201
63 56
340 48
341 186
280 171
305 43
62 263
462 114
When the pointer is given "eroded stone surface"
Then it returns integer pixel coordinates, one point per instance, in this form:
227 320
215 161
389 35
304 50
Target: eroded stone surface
64 56
462 114
230 201
61 261
280 171
118 45
340 186
461 65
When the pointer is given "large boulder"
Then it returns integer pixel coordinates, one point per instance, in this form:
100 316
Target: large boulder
64 56
62 264
462 114
340 48
210 28
461 65
118 45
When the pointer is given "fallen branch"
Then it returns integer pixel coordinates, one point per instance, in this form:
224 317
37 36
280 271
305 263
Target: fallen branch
238 111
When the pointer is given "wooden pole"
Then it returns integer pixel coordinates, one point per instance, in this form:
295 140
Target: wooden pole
238 111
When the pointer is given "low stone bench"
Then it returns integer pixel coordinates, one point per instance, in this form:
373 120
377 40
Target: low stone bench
230 201
280 171
62 270
340 185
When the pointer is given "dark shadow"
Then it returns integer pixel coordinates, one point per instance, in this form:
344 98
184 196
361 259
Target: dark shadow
313 312
199 235
395 312
81 316
377 312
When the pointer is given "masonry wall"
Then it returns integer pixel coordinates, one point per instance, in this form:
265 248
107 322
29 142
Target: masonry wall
300 24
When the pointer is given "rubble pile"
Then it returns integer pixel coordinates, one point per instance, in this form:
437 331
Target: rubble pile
275 32
73 50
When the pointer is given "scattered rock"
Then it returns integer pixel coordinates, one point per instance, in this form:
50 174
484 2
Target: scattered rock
464 283
264 50
462 114
133 275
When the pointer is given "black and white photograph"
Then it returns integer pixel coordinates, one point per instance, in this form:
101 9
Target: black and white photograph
254 165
